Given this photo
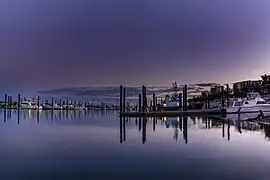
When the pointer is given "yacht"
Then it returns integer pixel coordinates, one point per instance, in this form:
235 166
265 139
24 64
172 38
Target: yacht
253 104
171 103
29 104
55 106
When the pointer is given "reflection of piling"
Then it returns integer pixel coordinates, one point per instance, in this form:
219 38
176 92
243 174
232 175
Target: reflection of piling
180 123
140 123
121 129
154 123
124 130
185 135
223 129
144 130
18 116
229 135
5 115
222 96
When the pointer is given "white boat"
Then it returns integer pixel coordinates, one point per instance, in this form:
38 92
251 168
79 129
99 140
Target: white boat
253 104
171 103
29 104
55 106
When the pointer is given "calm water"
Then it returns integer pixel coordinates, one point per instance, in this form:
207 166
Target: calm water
93 146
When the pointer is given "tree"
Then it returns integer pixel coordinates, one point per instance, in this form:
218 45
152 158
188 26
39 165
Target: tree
266 83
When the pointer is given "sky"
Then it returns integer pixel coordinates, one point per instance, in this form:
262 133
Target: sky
66 43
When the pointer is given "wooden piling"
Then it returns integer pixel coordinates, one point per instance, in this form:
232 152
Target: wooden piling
185 98
140 103
38 101
52 102
208 101
121 99
222 96
144 99
19 101
10 101
124 100
180 100
228 94
5 102
154 102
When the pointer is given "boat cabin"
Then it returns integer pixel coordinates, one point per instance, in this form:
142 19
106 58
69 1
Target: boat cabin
252 99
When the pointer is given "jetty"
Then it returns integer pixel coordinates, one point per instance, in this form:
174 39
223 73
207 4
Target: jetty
144 109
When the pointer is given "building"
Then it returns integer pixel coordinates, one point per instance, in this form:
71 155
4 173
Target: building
247 86
216 89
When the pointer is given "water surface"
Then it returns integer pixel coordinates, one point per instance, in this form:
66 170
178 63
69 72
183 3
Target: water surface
91 145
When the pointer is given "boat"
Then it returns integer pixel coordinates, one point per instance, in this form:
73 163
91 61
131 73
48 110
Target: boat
49 106
250 107
171 103
29 104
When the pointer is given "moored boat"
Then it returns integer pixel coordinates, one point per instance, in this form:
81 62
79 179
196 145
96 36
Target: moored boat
249 107
29 104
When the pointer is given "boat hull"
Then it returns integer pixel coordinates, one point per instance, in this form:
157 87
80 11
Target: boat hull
170 108
248 112
30 107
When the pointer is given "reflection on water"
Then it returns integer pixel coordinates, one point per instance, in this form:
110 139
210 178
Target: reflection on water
85 145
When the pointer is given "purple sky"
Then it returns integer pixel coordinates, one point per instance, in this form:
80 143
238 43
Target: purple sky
55 43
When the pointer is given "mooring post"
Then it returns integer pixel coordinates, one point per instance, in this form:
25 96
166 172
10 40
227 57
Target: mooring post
124 100
10 101
52 102
222 96
38 101
208 101
185 98
154 102
180 100
19 101
140 103
5 102
121 99
228 95
143 99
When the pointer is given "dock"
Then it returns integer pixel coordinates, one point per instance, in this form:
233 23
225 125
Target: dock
200 112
